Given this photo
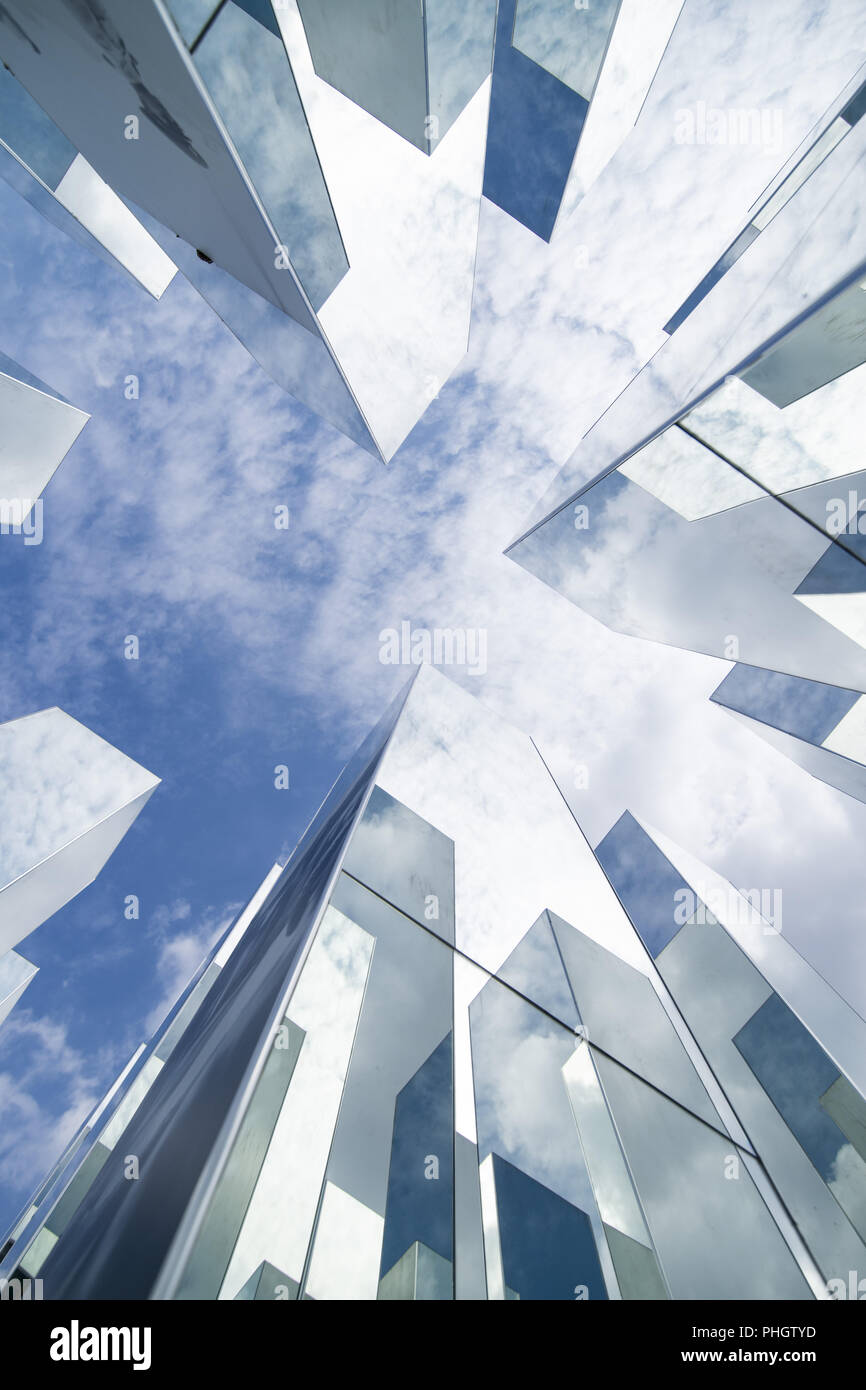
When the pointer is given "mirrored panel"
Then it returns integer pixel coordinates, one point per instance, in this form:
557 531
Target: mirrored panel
756 582
390 1170
535 124
679 1165
406 861
174 1131
787 1092
565 39
247 74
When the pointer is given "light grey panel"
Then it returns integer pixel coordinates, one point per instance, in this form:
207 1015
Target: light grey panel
407 1012
637 1270
173 1033
421 1275
844 1104
77 1189
827 344
267 1284
373 52
469 1270
207 1265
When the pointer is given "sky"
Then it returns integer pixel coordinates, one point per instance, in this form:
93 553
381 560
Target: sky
261 647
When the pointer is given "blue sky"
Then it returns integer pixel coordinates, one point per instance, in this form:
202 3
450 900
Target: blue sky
261 647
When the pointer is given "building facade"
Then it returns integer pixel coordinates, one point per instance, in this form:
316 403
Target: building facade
435 1058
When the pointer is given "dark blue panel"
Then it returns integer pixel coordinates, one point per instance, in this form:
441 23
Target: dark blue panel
535 124
421 1207
838 571
645 882
808 709
795 1071
263 12
856 106
548 1249
117 1240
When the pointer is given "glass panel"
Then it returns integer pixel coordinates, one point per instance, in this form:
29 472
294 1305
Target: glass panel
57 828
39 428
122 61
797 1075
535 124
250 80
517 846
646 883
807 709
228 1207
191 16
718 991
827 344
267 1283
808 442
296 359
614 1193
470 1280
525 1121
535 969
373 51
459 57
419 1209
804 258
624 1016
282 1209
712 277
636 1266
547 1245
710 1227
405 860
31 134
174 1131
727 584
391 1165
566 39
15 975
